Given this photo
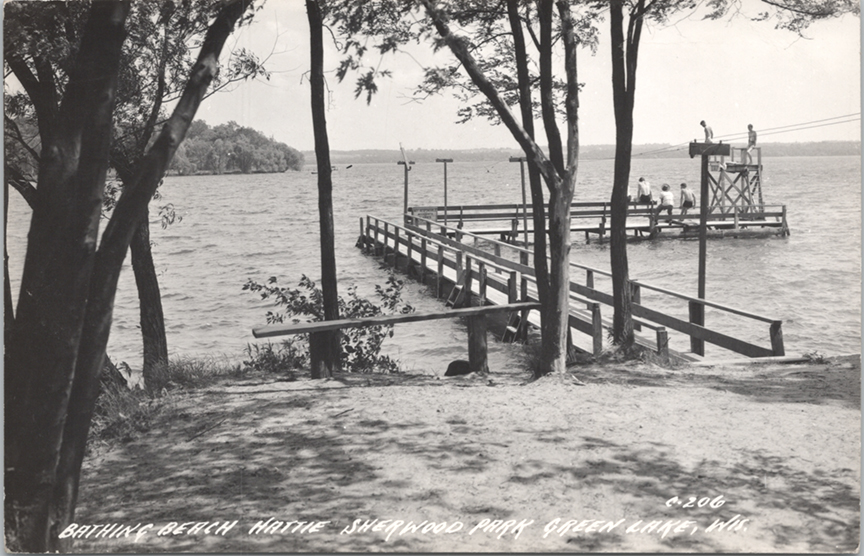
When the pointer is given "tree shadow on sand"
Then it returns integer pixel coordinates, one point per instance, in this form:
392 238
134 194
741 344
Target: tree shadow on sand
306 455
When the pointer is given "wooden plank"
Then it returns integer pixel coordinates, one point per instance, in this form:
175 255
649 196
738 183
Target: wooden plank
272 330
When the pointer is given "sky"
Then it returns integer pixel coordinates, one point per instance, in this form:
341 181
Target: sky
731 73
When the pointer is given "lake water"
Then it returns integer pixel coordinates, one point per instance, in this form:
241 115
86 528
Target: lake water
237 227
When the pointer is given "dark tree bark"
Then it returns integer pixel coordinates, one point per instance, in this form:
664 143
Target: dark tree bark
624 58
324 347
64 311
61 250
152 320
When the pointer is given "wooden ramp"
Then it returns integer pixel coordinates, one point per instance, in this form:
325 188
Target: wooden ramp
450 260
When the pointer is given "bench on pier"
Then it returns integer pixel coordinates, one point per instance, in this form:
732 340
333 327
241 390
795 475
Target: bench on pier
477 351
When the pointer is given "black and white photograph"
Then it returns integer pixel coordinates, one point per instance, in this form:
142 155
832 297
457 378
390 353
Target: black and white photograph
417 276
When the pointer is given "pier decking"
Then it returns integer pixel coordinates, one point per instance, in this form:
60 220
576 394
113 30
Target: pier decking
509 222
458 263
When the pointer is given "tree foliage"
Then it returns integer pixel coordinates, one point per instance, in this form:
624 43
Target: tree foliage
230 148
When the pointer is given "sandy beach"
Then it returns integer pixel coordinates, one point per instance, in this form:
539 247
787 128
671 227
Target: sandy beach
628 457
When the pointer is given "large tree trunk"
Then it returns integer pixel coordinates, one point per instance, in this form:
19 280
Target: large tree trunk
128 214
324 347
64 310
150 303
44 342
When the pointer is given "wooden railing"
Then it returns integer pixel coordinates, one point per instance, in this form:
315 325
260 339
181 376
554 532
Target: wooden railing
421 239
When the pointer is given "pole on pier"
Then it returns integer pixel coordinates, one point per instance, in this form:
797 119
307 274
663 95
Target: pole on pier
407 165
706 150
521 160
445 161
697 313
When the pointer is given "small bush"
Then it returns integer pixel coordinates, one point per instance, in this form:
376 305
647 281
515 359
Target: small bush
361 347
290 354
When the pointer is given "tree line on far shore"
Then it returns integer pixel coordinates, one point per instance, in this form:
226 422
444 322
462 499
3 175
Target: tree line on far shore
232 148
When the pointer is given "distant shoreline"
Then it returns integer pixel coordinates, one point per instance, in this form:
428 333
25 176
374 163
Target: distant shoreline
586 152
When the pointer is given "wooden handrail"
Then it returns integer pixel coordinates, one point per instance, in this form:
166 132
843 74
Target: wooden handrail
272 330
591 295
707 303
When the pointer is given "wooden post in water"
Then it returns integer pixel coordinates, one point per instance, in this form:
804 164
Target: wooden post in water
445 161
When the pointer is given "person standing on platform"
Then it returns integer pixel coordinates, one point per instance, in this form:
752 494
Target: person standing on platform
667 203
709 133
751 142
688 199
644 191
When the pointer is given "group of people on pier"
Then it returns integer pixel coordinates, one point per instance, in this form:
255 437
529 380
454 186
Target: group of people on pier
665 200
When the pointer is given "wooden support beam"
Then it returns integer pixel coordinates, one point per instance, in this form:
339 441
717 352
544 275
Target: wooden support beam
776 332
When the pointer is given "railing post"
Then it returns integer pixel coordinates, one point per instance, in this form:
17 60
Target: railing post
410 237
375 243
458 265
468 279
597 325
589 282
512 295
440 271
776 332
396 248
386 240
697 317
662 342
423 248
482 288
636 299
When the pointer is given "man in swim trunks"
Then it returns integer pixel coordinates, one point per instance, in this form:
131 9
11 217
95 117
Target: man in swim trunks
667 202
751 142
709 133
688 199
644 191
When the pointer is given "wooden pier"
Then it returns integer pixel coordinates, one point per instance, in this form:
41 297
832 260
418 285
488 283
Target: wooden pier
468 268
512 223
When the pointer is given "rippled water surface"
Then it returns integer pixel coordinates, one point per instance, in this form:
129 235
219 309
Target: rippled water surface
255 226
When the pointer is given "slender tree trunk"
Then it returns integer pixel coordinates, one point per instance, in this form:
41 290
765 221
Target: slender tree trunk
324 347
623 88
541 266
150 303
559 177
